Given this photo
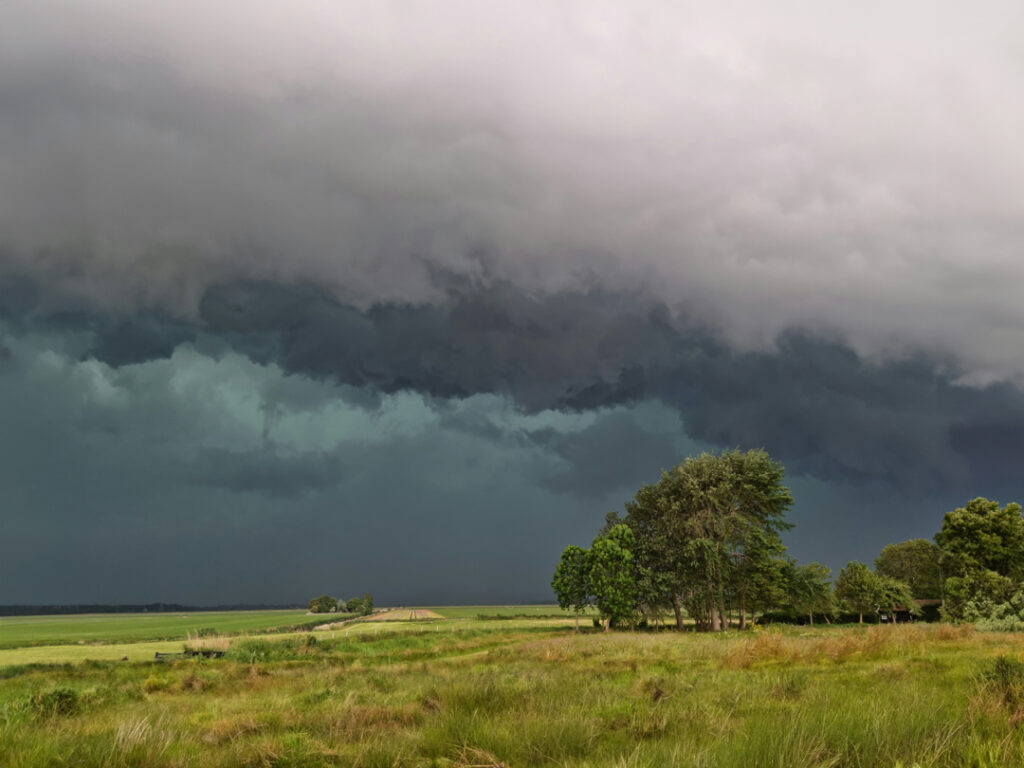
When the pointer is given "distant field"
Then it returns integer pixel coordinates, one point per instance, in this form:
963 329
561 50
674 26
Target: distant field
17 631
499 611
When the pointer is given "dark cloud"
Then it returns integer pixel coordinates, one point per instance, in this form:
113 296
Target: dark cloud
267 472
432 286
811 400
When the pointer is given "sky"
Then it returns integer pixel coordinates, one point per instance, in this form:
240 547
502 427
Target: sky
403 297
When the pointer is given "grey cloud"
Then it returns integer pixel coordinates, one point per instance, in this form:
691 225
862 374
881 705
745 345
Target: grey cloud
266 471
758 170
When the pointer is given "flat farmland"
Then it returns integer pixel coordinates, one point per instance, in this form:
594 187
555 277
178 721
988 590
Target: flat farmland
17 631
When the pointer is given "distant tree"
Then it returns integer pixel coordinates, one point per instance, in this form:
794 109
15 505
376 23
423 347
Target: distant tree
323 604
981 553
571 582
894 594
367 603
915 562
810 590
859 588
354 605
611 575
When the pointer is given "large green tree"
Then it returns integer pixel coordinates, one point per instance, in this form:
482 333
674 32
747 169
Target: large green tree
859 589
914 562
611 574
810 590
694 526
981 553
571 582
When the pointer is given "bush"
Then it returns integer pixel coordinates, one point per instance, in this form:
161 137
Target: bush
56 702
1005 678
987 614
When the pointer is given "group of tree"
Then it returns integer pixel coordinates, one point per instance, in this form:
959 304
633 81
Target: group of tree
703 541
327 604
975 566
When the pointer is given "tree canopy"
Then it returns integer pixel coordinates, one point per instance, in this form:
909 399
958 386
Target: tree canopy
707 529
981 553
914 562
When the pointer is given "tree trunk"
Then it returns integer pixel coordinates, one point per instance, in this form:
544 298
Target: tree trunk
810 616
716 620
677 606
721 610
577 622
743 610
860 618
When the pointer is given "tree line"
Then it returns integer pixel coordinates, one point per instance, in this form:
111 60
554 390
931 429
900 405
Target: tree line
327 604
705 542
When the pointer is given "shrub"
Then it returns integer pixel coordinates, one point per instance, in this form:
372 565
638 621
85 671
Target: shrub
56 702
988 614
1005 678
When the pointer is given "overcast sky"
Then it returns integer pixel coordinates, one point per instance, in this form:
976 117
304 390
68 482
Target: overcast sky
403 297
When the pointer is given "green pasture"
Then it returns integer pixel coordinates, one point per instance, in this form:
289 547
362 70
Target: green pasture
18 631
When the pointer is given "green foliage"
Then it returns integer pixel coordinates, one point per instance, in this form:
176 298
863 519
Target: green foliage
708 530
1005 677
571 582
323 604
809 590
367 604
894 594
1004 616
610 573
914 562
858 587
56 702
981 553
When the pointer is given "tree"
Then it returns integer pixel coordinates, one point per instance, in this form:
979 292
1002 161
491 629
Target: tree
361 605
693 526
915 562
810 590
611 575
981 553
859 588
323 604
759 576
571 583
894 594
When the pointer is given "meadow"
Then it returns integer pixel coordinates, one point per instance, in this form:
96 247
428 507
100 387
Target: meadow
17 631
531 692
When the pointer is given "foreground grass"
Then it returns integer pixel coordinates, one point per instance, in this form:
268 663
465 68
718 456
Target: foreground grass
881 696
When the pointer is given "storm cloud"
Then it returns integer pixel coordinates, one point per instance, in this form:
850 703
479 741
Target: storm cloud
273 254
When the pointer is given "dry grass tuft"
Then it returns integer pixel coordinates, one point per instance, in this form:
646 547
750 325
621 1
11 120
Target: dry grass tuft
194 643
474 757
232 729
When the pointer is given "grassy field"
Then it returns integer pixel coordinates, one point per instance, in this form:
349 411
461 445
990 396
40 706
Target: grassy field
458 692
18 631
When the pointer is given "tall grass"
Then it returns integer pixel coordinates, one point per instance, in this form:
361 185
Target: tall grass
885 696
